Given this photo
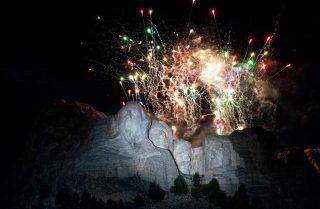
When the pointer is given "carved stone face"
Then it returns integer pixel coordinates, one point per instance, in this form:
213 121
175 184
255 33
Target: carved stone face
134 120
182 155
161 135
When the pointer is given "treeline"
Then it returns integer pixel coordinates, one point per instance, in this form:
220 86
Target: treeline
67 200
211 192
215 195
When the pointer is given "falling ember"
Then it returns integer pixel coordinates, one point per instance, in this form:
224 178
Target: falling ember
234 57
268 39
288 65
250 41
241 127
213 12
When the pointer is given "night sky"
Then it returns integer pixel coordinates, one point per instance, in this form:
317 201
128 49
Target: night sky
47 49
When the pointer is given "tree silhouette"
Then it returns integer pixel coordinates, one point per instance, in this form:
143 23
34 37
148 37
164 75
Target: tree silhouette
196 179
214 194
138 201
180 186
240 199
196 192
156 193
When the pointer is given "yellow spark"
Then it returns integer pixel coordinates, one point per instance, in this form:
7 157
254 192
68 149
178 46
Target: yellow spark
240 127
143 76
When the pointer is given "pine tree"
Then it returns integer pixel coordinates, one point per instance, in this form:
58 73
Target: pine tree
240 199
180 186
156 193
196 179
196 192
214 194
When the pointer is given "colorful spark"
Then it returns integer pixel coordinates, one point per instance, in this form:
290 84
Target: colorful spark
188 81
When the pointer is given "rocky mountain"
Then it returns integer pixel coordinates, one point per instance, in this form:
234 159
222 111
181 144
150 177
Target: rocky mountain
77 147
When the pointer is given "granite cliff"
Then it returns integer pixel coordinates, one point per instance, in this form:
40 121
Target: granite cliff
118 155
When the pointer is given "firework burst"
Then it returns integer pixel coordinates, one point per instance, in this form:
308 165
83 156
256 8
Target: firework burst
191 80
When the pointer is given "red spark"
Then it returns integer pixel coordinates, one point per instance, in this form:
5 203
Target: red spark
288 65
213 12
269 38
234 57
141 11
250 40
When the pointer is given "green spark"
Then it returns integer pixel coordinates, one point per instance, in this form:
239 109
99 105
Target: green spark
149 30
125 38
250 62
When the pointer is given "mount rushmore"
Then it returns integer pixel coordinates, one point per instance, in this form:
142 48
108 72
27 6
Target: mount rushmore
116 156
131 143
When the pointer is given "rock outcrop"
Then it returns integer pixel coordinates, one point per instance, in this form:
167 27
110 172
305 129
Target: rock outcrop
121 146
121 153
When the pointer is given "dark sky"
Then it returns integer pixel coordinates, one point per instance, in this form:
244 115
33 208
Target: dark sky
46 48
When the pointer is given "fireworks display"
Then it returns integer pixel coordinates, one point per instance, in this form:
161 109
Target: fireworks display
190 80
